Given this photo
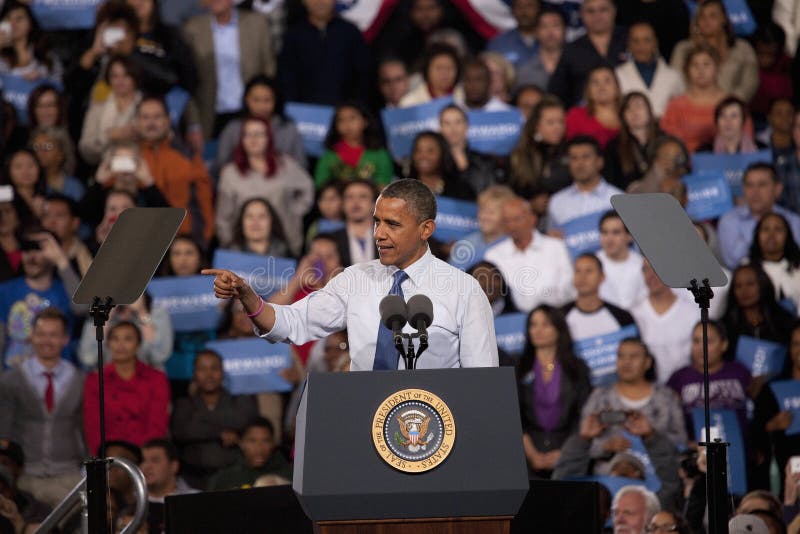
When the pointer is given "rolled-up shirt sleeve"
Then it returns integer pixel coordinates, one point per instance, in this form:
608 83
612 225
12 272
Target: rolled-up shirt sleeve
478 345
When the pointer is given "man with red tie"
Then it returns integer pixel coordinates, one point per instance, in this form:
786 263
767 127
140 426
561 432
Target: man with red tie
40 408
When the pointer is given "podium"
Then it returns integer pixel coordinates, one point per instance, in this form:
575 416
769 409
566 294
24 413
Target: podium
430 450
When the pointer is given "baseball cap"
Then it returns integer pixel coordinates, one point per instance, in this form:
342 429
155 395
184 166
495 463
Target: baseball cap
747 524
13 451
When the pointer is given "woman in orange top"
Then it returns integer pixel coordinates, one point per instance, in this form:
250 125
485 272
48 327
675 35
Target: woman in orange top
690 116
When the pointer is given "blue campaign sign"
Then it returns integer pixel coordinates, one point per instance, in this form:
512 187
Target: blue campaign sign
739 14
176 100
494 132
253 365
600 354
725 426
762 358
510 330
709 195
582 234
326 226
265 274
638 450
787 393
65 14
189 300
16 90
455 219
312 122
731 165
403 124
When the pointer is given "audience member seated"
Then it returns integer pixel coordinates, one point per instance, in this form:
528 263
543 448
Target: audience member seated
25 52
474 169
324 59
47 108
21 513
738 66
258 230
393 81
553 386
56 155
354 242
257 171
441 72
599 117
634 509
160 467
789 169
470 249
775 249
588 315
328 216
354 148
330 356
526 97
433 165
647 72
589 192
778 132
730 121
229 46
182 180
761 187
667 159
519 44
40 409
502 76
137 395
537 267
184 258
23 172
112 119
623 284
61 218
549 30
665 323
259 457
603 44
477 85
261 99
626 158
496 289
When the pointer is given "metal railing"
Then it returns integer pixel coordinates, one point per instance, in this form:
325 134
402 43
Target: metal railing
78 495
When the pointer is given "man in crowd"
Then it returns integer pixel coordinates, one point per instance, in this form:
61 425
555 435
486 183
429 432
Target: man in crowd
61 218
551 27
354 241
470 249
478 88
633 508
160 468
624 284
519 45
393 81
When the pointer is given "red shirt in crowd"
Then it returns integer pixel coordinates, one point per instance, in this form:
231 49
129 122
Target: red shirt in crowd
137 410
580 122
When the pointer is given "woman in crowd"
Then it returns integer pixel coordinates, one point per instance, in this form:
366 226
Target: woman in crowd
526 98
473 168
775 250
47 107
738 66
667 161
441 71
23 172
600 117
432 164
23 51
137 395
185 257
690 116
354 148
112 119
259 171
258 230
14 218
328 216
262 99
778 133
626 154
553 385
56 154
503 76
731 120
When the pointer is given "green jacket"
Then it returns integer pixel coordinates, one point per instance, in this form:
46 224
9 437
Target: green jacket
374 165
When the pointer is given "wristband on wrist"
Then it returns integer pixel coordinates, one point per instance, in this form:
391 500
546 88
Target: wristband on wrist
259 310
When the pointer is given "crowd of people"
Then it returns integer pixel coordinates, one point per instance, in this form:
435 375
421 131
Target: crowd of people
616 97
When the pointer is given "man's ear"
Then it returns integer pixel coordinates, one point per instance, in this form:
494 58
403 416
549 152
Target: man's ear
428 227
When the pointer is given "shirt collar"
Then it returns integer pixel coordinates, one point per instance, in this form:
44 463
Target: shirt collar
232 23
417 270
37 369
599 190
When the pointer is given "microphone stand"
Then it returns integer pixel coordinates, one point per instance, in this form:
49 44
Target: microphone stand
409 354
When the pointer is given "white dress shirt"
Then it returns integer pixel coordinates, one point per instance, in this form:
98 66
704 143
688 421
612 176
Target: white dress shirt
461 335
571 203
540 274
624 281
669 335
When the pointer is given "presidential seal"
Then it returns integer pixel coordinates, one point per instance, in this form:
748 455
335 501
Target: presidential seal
413 430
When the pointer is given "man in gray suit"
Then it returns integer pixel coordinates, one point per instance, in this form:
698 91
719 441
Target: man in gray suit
41 409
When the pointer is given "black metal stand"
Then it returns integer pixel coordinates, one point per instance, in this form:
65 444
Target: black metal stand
408 353
716 453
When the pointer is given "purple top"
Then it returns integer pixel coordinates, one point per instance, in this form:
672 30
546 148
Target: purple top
547 397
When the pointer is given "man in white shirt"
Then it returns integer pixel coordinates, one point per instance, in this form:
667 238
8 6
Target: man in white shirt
665 323
624 283
354 242
462 332
535 266
589 193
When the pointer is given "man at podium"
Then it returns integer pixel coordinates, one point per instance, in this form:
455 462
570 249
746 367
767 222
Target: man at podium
462 331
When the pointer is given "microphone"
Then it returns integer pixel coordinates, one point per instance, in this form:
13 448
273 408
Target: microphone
393 315
420 315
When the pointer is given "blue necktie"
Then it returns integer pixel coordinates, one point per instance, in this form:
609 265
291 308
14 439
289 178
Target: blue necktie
385 352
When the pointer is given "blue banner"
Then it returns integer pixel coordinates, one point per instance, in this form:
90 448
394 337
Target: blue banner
761 357
189 300
455 219
709 195
600 354
253 365
326 226
638 450
582 234
510 329
176 100
731 165
65 14
739 13
494 132
403 124
725 426
265 274
16 90
312 122
787 393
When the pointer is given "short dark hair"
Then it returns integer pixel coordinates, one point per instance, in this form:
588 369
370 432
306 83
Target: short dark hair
132 448
128 324
153 98
761 166
360 181
440 49
206 352
585 140
259 422
64 199
611 214
717 326
418 197
165 445
592 257
111 12
54 314
550 10
728 102
650 374
131 69
264 81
